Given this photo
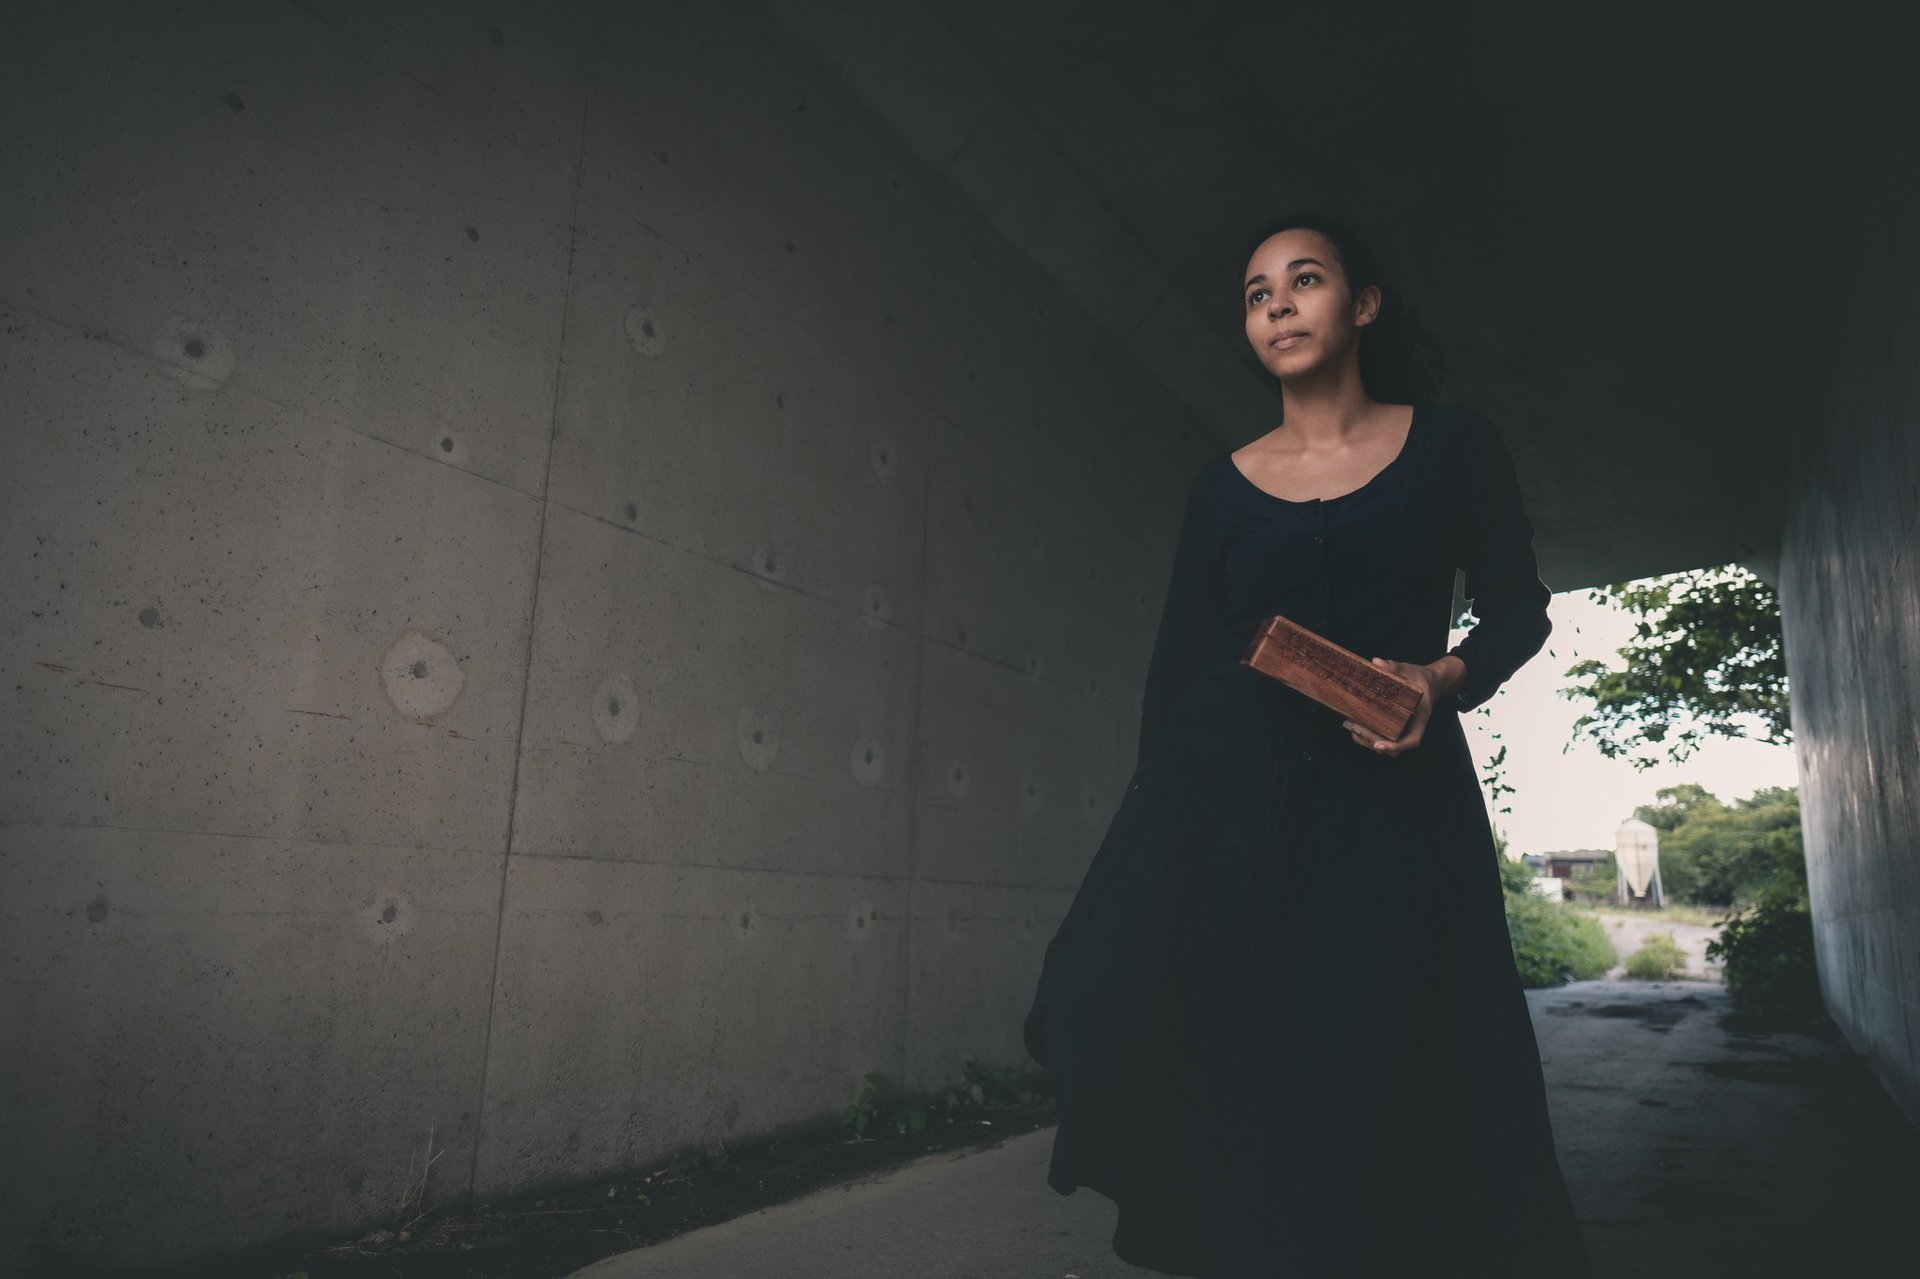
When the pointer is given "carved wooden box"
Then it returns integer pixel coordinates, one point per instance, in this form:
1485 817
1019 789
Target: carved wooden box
1333 676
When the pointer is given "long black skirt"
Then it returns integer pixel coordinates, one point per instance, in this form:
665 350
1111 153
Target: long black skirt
1281 1014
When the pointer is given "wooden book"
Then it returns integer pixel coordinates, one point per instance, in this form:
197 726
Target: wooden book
1333 676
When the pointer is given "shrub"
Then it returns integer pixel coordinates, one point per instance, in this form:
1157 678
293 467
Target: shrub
1766 953
1658 959
1515 876
1554 944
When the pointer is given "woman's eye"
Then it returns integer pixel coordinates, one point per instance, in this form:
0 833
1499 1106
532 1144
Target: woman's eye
1304 276
1256 297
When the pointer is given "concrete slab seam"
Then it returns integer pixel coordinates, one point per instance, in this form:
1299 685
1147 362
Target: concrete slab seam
533 628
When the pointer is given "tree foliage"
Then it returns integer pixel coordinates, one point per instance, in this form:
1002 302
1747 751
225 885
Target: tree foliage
1715 854
1706 660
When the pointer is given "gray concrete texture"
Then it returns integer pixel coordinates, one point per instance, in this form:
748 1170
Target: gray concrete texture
1691 1147
569 596
1850 593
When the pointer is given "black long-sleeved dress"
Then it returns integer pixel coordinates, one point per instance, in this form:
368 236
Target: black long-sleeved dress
1281 1013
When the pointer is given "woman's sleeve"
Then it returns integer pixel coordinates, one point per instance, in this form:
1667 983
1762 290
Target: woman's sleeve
1503 578
1190 621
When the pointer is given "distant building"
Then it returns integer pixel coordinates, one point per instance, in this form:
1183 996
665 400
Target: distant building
1561 865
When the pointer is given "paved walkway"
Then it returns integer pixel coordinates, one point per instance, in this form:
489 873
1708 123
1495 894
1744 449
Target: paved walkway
1691 1150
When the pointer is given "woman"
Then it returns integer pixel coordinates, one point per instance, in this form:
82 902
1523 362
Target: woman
1281 1013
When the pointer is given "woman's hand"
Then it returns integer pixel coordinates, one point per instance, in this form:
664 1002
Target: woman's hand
1436 680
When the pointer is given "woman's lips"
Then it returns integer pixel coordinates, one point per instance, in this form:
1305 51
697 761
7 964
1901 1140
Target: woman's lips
1286 340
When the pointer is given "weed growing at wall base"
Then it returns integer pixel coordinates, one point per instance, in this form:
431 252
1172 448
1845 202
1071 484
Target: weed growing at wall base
875 1097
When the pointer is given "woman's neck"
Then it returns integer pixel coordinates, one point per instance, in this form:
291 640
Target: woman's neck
1325 410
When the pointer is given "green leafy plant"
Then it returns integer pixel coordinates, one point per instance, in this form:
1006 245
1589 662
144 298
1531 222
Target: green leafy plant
1658 959
876 1099
1001 1085
1552 943
1766 953
1515 875
1706 660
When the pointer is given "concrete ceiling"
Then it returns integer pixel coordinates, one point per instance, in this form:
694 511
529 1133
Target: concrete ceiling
1602 211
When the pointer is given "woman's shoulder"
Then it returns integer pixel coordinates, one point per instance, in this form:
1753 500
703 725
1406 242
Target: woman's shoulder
1209 479
1464 435
1455 419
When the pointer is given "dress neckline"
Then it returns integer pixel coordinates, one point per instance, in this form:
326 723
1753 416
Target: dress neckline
1406 447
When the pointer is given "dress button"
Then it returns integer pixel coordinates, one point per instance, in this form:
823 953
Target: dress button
1318 538
1306 754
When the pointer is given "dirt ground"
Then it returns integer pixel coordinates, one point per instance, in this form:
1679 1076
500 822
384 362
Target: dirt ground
1630 929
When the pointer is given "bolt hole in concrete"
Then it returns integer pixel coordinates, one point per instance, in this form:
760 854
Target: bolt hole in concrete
388 916
150 617
616 709
868 761
422 677
446 444
758 738
644 332
193 352
1090 807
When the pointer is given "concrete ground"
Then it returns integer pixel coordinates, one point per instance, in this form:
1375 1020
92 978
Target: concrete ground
1691 1148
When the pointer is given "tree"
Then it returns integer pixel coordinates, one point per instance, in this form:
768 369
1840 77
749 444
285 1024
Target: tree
1677 803
1706 660
1714 854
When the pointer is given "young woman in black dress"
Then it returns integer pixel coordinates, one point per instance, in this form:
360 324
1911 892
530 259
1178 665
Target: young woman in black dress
1281 1013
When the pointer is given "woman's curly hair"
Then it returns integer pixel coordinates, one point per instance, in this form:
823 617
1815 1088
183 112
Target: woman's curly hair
1400 362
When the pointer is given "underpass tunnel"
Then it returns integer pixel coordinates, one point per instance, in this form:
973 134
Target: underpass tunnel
579 574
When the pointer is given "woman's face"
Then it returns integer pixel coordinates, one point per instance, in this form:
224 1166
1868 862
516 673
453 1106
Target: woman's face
1301 316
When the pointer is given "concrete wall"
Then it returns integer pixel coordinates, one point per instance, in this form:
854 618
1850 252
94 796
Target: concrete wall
565 591
1850 582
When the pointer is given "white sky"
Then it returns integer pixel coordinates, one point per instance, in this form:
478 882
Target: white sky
1578 798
